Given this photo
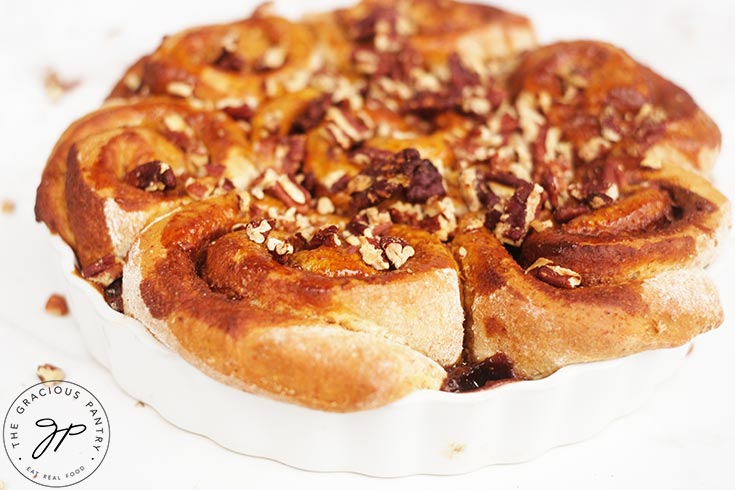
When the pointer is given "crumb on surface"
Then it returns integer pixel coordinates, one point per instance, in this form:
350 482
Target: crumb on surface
50 374
57 87
140 404
56 305
455 449
7 207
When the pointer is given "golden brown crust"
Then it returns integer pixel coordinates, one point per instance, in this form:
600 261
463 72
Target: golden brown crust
676 221
300 341
228 65
300 208
630 215
429 323
86 194
541 328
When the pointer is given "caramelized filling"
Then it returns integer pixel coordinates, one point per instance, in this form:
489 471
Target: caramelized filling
466 376
113 295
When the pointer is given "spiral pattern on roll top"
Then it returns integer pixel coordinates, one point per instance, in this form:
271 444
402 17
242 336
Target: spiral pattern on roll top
116 169
337 211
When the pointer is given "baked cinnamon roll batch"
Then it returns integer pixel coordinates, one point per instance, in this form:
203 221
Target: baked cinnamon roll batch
394 196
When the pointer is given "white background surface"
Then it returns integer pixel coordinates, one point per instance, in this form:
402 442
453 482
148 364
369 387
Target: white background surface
684 437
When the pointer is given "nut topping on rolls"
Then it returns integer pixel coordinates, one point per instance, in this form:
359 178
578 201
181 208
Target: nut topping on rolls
588 280
331 337
393 196
231 67
116 169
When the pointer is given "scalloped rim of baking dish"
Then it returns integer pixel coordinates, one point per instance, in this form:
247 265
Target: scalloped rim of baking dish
426 432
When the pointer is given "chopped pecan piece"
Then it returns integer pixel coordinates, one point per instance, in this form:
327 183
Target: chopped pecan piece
286 152
469 186
426 181
229 59
529 118
197 190
403 175
326 236
382 26
282 187
180 89
593 148
268 179
512 224
294 191
272 59
258 232
461 76
324 205
541 225
555 275
651 162
312 115
103 270
347 128
239 110
50 374
152 176
55 87
214 170
133 82
366 61
608 196
363 28
370 222
175 123
397 250
278 246
611 134
372 254
56 305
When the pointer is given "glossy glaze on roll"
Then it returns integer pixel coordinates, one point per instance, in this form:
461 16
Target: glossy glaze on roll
339 210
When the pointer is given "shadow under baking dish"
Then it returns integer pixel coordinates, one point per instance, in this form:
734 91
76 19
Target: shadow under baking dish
426 432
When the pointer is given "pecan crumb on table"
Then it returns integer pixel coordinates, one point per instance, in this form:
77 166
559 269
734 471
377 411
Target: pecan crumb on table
50 374
56 305
56 87
7 206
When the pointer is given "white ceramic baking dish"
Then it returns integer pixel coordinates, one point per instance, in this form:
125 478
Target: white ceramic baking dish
428 432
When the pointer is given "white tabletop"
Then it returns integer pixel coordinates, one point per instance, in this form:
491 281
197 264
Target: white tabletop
684 436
